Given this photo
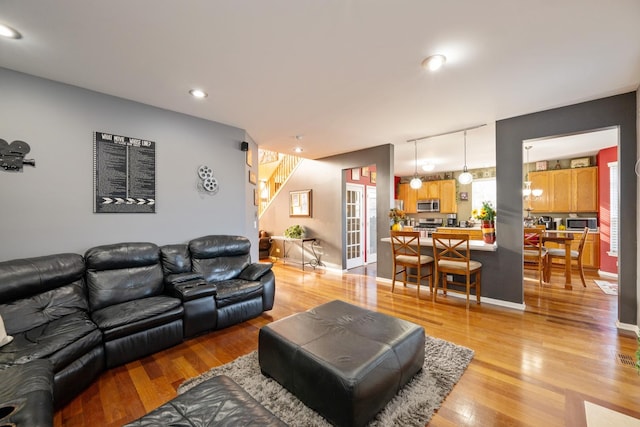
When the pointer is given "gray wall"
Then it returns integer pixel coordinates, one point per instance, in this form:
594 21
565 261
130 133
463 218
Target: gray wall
49 209
618 111
326 178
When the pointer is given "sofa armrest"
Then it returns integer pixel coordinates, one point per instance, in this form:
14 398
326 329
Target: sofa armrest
255 271
194 289
175 279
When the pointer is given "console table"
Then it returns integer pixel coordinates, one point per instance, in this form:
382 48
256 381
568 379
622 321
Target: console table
288 242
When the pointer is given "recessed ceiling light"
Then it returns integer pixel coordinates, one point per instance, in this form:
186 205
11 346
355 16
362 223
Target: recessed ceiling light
434 62
6 31
197 93
428 167
298 149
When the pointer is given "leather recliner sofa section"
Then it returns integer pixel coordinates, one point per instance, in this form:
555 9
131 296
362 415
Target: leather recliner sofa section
116 304
126 296
44 307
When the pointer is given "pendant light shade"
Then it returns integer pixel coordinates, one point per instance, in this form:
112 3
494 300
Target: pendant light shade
465 177
416 182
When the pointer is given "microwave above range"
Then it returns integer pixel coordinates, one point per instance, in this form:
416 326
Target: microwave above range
430 205
575 223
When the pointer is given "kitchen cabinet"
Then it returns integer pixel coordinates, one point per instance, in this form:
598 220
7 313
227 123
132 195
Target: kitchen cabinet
590 253
409 196
565 190
444 190
448 202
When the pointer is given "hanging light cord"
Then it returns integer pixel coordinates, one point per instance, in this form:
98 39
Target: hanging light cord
415 152
465 151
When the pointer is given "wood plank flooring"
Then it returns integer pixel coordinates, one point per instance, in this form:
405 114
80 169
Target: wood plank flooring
530 368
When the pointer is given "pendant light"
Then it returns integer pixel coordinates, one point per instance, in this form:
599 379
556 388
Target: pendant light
465 177
416 182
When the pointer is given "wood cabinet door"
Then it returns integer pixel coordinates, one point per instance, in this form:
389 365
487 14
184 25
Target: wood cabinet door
539 180
409 196
584 197
432 189
423 192
448 196
560 190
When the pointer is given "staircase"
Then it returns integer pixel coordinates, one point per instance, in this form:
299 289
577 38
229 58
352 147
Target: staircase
274 170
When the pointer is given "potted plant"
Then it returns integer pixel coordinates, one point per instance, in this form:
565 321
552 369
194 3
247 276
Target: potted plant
397 216
294 232
487 215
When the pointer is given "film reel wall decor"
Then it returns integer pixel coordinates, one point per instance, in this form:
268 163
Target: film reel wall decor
208 184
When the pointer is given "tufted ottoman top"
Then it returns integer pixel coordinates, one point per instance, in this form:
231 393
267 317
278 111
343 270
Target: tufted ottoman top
341 360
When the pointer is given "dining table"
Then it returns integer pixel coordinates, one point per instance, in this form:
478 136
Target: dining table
562 238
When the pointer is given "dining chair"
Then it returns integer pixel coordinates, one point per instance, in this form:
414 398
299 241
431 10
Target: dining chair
405 248
452 257
535 255
576 255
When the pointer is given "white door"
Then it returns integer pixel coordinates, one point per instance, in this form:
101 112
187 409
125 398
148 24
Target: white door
372 232
354 221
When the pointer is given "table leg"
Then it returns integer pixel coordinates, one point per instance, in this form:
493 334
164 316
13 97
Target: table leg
567 266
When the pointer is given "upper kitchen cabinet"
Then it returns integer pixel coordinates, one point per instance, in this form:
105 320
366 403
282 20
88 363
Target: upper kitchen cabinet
565 190
448 196
409 196
584 189
443 190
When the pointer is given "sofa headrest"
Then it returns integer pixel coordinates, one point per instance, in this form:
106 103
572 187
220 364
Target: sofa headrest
216 246
21 278
175 259
122 255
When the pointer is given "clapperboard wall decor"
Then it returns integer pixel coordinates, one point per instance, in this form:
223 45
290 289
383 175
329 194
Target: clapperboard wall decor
124 174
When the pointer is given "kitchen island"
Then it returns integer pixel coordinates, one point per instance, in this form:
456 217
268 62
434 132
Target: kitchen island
492 280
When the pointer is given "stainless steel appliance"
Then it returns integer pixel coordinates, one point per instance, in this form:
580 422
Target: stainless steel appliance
451 220
576 223
428 225
548 222
430 205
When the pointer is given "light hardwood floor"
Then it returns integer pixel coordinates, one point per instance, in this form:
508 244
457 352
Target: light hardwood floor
531 368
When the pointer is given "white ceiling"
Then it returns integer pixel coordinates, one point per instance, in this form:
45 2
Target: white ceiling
342 74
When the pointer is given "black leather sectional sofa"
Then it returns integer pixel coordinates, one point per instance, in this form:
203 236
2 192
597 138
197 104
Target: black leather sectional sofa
74 316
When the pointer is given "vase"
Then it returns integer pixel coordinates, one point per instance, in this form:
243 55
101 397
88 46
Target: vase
397 226
488 231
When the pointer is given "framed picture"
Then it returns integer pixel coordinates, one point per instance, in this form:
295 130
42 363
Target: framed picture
252 177
300 203
355 174
255 197
464 195
374 175
365 171
249 157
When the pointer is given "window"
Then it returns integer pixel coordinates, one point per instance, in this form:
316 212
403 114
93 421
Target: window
483 190
613 208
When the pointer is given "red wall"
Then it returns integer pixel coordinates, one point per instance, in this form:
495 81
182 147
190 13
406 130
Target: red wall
607 263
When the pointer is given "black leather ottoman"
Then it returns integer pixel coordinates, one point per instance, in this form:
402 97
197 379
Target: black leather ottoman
215 402
343 361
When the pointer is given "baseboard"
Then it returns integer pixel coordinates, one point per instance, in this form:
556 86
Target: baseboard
628 327
607 274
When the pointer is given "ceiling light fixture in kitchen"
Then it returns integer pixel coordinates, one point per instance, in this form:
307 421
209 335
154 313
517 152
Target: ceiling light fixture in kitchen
416 182
465 177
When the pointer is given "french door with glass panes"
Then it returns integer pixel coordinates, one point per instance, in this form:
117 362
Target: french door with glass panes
354 211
